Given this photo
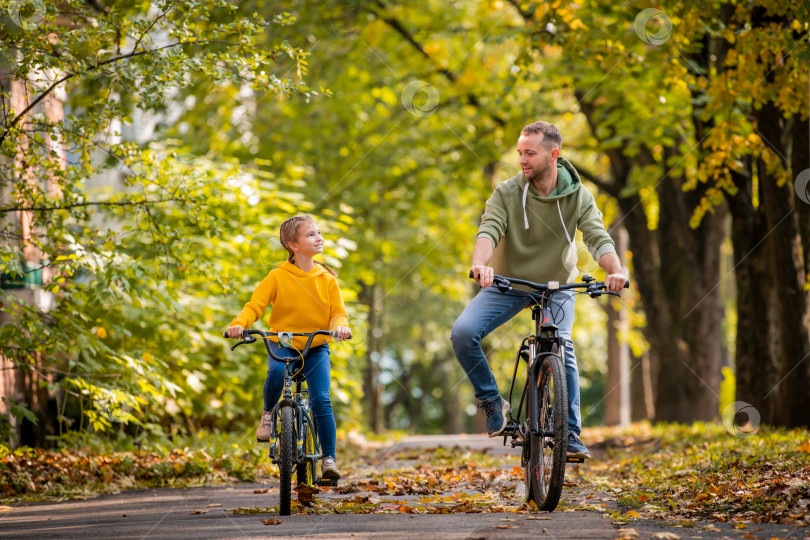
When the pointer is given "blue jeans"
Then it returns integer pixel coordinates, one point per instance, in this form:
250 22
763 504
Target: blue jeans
490 309
318 376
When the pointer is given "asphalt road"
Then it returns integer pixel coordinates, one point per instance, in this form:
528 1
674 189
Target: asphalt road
207 513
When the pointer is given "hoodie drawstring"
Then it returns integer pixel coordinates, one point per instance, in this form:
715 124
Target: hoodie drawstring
571 259
525 218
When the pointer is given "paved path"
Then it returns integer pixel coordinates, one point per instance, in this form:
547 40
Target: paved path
177 514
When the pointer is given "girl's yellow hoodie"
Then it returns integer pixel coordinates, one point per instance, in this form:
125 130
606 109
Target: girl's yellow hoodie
302 302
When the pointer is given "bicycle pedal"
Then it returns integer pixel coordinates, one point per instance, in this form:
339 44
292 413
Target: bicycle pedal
572 459
332 482
510 429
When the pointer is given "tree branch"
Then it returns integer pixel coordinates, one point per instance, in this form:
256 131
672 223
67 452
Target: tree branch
144 202
69 76
449 75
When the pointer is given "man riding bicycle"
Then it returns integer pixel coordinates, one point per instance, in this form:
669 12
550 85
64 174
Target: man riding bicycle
534 216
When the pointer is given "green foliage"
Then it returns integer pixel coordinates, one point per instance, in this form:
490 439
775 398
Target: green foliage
147 250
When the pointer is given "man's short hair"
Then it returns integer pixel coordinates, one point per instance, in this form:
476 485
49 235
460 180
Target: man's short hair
551 135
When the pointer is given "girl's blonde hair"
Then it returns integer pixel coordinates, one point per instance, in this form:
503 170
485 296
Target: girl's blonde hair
288 232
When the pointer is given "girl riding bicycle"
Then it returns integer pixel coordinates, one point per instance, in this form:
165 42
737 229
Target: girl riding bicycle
305 296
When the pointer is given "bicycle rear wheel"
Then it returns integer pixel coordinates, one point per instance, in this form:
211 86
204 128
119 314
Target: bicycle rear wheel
306 469
545 467
286 458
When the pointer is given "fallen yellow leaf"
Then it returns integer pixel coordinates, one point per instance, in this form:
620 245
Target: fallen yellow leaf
632 513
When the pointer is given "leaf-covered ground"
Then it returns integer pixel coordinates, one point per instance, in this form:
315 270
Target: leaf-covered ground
701 472
677 474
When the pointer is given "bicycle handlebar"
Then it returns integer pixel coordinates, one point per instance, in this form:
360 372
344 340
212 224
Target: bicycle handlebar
247 333
594 288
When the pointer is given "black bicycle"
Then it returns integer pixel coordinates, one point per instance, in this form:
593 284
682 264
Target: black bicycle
543 434
294 435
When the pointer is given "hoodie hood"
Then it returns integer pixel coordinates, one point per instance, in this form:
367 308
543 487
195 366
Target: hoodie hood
290 267
568 182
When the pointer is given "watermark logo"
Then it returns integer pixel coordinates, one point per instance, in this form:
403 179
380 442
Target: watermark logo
802 186
27 14
741 419
420 98
359 327
344 22
653 26
576 258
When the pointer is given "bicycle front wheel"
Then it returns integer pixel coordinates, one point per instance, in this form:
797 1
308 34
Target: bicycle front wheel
545 468
286 458
306 469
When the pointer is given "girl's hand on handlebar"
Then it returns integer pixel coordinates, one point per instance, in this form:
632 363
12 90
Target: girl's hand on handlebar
235 332
343 332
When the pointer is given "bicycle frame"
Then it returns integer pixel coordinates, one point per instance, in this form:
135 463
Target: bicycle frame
539 345
542 435
293 399
297 401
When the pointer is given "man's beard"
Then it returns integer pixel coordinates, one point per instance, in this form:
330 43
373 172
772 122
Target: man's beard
537 174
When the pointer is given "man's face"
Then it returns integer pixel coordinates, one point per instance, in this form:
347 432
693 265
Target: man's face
535 159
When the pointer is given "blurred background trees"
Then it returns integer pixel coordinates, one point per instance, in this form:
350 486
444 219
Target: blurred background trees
138 220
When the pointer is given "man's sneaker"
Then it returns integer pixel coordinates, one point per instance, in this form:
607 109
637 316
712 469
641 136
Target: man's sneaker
265 428
575 447
329 468
496 410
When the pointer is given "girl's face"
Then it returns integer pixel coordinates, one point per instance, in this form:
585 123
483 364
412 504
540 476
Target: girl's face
310 241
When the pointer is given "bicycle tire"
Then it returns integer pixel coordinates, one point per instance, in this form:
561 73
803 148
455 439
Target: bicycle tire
305 472
286 458
545 469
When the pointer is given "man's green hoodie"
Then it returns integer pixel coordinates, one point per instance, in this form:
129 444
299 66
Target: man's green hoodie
538 232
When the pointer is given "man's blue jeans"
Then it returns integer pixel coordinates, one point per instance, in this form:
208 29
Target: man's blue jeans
318 375
490 309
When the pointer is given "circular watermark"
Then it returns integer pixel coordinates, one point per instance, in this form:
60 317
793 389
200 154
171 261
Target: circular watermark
359 328
577 259
741 419
27 14
802 186
653 26
503 171
420 98
117 407
344 22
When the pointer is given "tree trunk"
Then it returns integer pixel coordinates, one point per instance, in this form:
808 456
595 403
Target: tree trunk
642 404
755 358
677 270
788 279
617 384
371 373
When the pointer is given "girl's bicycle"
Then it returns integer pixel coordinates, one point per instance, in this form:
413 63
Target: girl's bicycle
544 431
294 437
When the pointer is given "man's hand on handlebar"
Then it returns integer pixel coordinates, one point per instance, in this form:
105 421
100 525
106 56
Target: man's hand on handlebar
235 332
615 282
483 275
342 333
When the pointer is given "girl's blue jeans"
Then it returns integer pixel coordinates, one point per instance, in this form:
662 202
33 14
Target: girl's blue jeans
318 376
490 309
